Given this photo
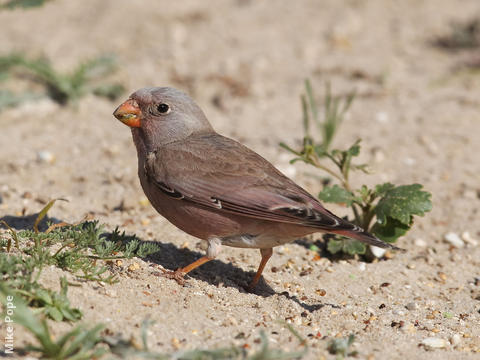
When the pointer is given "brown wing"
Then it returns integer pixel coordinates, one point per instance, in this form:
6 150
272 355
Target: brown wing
217 172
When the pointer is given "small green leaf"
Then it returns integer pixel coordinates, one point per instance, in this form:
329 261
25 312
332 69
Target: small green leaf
43 213
390 231
11 4
340 346
288 148
354 150
314 248
335 194
54 313
352 247
44 297
71 314
402 202
334 246
348 246
380 190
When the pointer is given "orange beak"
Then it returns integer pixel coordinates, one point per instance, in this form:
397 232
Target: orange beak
129 113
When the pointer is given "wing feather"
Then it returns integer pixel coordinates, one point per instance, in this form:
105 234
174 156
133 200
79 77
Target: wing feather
220 173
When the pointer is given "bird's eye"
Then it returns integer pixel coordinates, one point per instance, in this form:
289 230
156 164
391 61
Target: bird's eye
163 108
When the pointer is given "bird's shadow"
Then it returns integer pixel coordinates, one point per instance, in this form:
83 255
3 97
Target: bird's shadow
26 222
217 272
170 257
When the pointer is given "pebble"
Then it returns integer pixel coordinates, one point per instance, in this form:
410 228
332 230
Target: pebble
412 306
468 239
110 293
377 252
133 267
420 243
143 201
378 155
398 312
409 161
45 156
455 339
434 343
431 145
382 117
454 240
362 266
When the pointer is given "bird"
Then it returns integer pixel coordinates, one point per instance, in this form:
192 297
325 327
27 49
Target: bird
216 189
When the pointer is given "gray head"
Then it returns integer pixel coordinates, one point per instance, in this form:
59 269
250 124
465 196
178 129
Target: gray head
161 115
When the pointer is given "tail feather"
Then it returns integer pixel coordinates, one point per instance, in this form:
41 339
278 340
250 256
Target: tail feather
366 238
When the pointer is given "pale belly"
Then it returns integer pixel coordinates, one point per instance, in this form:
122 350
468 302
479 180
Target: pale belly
262 241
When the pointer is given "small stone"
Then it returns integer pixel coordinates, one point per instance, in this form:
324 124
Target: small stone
176 343
133 267
143 201
398 312
412 306
420 243
454 240
468 239
377 252
362 266
382 117
230 320
434 343
411 266
431 146
45 156
456 339
111 293
378 155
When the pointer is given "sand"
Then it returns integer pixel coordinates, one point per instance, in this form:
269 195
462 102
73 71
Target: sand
245 62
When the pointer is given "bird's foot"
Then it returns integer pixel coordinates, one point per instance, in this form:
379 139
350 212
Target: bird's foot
177 275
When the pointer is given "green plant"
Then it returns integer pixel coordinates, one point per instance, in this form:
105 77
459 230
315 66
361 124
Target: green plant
386 210
79 343
65 87
341 346
77 248
9 99
12 4
87 343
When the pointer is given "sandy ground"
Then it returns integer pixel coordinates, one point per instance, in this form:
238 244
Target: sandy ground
245 62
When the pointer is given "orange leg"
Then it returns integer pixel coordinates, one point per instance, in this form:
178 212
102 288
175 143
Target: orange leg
178 275
266 254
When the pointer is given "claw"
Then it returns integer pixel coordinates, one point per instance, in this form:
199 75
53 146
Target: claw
177 275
